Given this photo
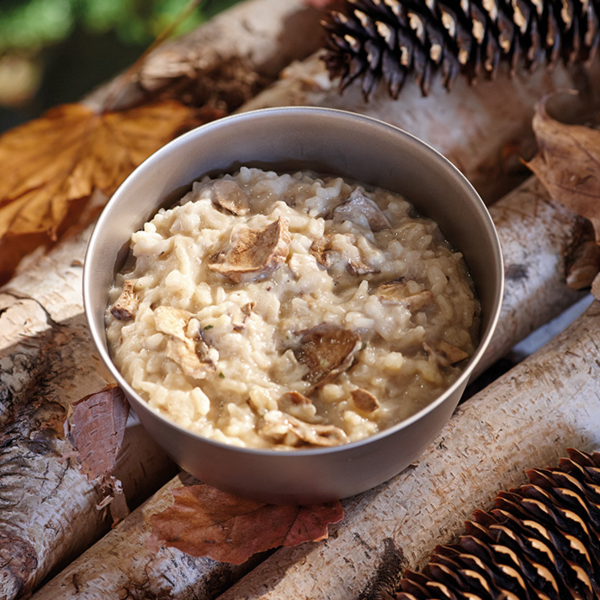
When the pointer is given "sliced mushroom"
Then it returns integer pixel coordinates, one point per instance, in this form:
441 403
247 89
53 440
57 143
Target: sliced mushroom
125 308
364 400
253 252
326 350
398 292
360 209
193 355
228 195
297 405
445 354
277 425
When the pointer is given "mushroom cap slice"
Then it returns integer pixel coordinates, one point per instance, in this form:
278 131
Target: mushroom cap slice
360 209
228 195
326 350
398 292
253 252
364 400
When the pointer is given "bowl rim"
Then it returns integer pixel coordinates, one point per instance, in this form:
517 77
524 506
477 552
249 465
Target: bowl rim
99 334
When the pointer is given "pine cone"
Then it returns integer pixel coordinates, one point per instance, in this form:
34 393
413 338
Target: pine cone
541 541
390 39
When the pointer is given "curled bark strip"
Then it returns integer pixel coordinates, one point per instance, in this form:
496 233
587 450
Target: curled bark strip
97 430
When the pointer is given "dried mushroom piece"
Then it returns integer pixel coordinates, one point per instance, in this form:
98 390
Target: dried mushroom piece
364 400
277 425
126 305
253 252
444 353
398 291
298 405
360 209
322 248
228 195
193 355
326 350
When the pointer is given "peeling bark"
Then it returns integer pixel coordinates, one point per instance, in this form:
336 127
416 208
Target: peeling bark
48 506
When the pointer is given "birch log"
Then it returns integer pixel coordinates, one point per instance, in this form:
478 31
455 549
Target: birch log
533 294
525 419
48 361
235 53
483 129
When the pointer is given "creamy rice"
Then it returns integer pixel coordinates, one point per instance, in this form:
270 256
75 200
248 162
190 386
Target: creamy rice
287 311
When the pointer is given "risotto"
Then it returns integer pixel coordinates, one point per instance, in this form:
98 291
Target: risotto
290 311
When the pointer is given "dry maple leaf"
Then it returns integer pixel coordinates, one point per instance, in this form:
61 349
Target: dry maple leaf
568 164
52 163
204 521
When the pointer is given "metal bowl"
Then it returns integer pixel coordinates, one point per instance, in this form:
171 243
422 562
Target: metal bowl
327 141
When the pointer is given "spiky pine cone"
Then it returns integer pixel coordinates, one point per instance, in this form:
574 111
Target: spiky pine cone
391 39
540 542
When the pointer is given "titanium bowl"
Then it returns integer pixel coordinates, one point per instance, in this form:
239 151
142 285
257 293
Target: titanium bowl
327 141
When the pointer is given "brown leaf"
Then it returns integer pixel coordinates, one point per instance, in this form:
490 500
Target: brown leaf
59 159
97 427
204 521
568 164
